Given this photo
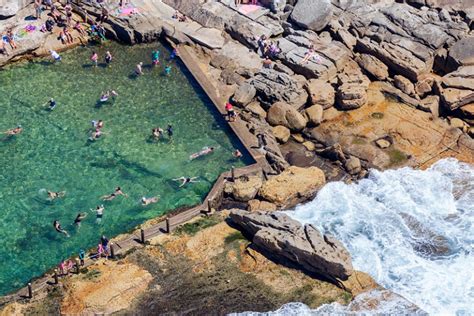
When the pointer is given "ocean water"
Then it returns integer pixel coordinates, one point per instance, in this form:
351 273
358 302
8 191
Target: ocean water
54 153
411 230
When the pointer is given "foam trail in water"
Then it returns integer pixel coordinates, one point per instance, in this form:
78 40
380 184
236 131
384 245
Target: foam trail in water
411 230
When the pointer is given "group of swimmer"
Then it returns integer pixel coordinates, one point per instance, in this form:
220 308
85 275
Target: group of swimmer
99 210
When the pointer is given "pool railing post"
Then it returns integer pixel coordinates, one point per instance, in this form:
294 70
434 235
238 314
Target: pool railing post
78 265
209 207
232 172
168 227
30 290
142 236
112 251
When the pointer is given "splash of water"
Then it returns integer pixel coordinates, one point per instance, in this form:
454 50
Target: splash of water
411 230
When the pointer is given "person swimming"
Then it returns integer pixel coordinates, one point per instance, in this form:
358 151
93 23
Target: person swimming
55 55
170 132
59 229
52 104
108 57
185 180
79 218
96 134
118 191
99 210
167 70
14 131
157 133
203 152
104 97
55 195
98 124
147 201
155 57
138 69
237 154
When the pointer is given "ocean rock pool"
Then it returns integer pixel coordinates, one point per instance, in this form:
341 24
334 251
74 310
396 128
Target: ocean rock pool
54 152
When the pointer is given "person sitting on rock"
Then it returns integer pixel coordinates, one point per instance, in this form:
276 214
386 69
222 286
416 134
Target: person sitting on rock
3 48
310 53
267 63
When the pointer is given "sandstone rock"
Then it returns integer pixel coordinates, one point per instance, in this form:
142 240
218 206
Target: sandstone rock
373 66
273 86
320 92
314 114
470 131
244 94
353 165
257 205
461 53
256 109
292 185
424 86
282 134
286 239
383 143
284 114
244 189
468 111
404 84
430 104
457 123
350 97
298 138
331 114
313 15
9 8
455 98
309 145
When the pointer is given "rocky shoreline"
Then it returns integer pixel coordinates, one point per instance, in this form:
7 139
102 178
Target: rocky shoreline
354 86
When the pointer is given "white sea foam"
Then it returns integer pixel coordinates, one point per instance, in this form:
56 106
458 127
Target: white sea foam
411 230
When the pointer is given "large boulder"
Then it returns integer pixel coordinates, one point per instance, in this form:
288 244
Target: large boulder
287 239
404 84
244 94
282 113
320 92
350 97
282 134
9 8
244 189
314 114
373 66
461 53
313 15
293 185
273 86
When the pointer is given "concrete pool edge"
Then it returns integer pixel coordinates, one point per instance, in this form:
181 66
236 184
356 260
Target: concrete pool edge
167 223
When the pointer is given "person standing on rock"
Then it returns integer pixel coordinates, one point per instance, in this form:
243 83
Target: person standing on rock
38 9
231 115
10 39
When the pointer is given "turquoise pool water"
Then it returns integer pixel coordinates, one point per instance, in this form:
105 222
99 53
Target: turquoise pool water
54 153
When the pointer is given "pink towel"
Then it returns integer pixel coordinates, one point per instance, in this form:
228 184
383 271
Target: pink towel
248 8
128 11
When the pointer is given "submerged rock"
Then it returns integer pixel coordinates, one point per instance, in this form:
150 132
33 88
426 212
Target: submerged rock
283 237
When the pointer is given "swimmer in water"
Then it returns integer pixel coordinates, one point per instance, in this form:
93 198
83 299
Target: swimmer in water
157 133
108 58
237 154
203 152
155 57
167 70
58 228
147 201
118 191
138 69
104 97
55 55
55 195
52 104
169 130
185 180
79 218
95 58
96 134
99 210
14 131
